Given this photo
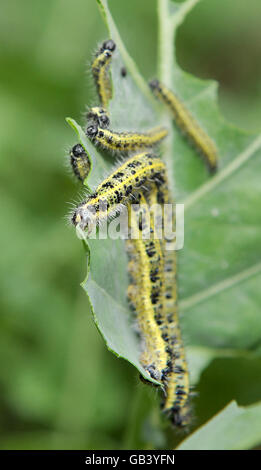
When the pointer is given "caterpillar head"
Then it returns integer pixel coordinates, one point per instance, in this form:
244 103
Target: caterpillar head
80 162
108 45
92 131
154 84
100 116
84 219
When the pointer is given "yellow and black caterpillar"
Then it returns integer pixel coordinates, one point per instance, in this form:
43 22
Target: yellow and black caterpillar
100 72
187 124
176 401
175 377
80 162
145 292
118 189
125 141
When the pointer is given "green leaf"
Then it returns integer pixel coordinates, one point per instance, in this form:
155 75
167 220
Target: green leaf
219 268
234 428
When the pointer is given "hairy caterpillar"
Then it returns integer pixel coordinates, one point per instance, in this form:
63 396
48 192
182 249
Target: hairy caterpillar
125 141
145 292
80 162
100 116
118 189
156 223
100 71
176 400
187 124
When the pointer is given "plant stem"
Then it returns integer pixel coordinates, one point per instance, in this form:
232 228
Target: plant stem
184 9
220 287
132 436
168 24
227 171
166 43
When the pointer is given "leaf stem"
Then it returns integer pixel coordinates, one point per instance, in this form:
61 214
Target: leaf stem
166 41
219 287
136 416
168 24
223 174
178 18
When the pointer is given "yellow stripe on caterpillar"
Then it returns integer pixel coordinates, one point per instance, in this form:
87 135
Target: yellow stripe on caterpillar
187 124
118 189
100 71
125 141
156 215
146 289
176 400
80 162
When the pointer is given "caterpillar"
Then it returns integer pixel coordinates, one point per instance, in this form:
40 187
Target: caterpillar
100 116
145 291
125 141
117 190
187 124
156 223
169 365
176 400
80 162
100 71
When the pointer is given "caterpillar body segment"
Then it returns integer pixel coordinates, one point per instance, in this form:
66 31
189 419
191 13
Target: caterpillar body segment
80 162
100 71
156 221
187 124
125 141
146 269
176 401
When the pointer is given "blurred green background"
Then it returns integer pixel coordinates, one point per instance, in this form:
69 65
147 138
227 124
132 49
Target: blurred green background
60 387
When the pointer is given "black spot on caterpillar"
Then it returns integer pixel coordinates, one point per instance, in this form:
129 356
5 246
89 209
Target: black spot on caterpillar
80 162
100 71
187 124
125 141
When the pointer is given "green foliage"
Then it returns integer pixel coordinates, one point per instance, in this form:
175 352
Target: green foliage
235 428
